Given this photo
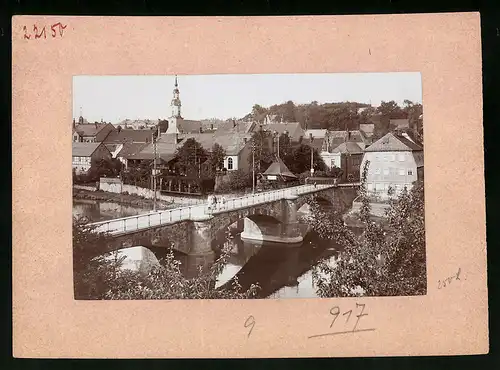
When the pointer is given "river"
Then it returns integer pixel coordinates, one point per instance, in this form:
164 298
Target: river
280 271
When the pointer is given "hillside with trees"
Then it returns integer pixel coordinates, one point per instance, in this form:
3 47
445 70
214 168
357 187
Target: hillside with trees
341 115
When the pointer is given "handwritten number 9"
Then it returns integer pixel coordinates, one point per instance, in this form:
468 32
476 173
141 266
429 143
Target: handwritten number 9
335 311
250 322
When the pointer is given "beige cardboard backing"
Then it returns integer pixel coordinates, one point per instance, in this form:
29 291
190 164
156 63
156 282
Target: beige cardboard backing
445 48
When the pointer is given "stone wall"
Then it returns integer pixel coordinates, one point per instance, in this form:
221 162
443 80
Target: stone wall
85 187
116 186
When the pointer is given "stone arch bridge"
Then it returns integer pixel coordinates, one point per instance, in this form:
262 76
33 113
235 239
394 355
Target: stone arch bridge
268 217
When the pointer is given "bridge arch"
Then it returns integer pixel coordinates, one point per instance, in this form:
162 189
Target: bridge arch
270 213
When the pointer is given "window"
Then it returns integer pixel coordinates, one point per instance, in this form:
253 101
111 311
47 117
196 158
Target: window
377 171
401 172
370 187
230 163
386 171
410 172
393 157
401 157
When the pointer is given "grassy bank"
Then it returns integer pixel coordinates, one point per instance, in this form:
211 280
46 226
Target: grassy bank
128 199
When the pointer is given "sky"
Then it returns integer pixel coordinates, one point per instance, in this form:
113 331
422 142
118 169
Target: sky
115 98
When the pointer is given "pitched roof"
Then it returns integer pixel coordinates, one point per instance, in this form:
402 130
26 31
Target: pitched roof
392 142
188 126
232 142
348 147
367 128
400 122
290 127
131 149
279 168
84 149
334 138
316 133
90 129
129 136
228 126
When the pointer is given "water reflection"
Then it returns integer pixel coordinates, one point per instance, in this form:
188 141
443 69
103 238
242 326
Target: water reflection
96 210
280 271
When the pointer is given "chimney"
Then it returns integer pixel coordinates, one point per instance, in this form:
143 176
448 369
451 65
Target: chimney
234 123
245 140
96 125
201 130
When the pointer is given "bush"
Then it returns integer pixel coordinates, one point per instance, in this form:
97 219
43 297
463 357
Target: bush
96 276
382 261
234 181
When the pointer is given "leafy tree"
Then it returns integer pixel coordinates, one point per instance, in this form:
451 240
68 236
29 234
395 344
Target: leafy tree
258 113
382 261
236 180
190 155
216 158
98 274
299 160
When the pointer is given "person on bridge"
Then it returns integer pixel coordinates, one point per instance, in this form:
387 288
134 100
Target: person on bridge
215 202
223 201
314 184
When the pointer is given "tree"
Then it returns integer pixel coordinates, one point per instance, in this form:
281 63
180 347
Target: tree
236 180
190 155
299 160
382 261
98 274
262 152
216 158
259 113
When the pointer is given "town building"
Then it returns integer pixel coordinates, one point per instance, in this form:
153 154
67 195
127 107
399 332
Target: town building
348 157
278 172
91 132
85 154
293 129
138 124
400 123
367 129
395 162
333 139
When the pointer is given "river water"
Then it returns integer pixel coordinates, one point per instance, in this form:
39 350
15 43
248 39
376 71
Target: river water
280 271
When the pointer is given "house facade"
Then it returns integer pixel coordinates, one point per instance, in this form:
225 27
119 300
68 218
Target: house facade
85 154
395 162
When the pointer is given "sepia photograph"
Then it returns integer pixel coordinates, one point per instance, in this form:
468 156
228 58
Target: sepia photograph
262 186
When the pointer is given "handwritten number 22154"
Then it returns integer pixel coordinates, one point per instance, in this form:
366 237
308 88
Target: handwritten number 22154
39 33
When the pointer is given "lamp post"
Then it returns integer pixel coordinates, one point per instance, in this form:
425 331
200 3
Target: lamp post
312 156
253 166
154 175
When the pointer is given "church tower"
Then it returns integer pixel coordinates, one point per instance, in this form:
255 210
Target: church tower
176 118
176 101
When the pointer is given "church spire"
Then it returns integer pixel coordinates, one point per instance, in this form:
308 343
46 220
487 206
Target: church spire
176 101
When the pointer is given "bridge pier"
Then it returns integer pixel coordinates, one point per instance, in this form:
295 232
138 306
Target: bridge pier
286 232
200 238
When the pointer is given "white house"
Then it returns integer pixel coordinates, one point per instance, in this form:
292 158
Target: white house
84 154
395 161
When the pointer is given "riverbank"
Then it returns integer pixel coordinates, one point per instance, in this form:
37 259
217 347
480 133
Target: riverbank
126 199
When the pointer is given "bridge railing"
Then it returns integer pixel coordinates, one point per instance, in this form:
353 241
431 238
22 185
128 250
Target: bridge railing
133 223
265 197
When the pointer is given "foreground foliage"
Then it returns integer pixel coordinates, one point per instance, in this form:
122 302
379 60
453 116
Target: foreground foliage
381 261
98 274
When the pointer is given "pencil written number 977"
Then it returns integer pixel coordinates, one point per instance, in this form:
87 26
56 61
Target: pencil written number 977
36 32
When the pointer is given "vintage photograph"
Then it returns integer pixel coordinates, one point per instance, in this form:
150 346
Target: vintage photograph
248 186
